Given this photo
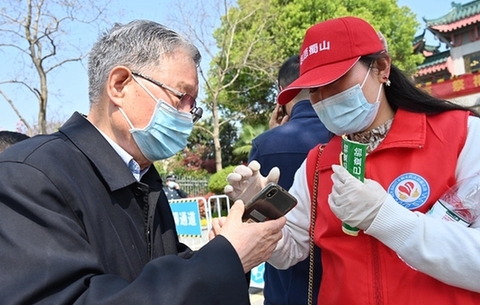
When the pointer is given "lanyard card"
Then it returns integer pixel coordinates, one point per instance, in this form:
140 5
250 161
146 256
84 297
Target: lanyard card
352 158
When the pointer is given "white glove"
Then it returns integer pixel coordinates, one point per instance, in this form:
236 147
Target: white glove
245 182
354 202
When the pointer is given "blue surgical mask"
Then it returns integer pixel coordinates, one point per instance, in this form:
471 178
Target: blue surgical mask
166 133
348 111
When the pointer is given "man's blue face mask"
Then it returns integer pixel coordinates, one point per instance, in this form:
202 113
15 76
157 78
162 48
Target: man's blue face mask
166 133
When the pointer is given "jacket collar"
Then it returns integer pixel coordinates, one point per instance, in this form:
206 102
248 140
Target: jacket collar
408 129
301 109
100 153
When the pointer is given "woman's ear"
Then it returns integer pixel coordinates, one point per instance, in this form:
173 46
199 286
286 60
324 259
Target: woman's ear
383 65
117 84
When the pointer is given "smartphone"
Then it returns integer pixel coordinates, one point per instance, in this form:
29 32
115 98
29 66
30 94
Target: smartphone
271 202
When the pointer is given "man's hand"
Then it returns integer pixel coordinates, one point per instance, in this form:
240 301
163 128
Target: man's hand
245 182
217 224
277 118
354 202
254 242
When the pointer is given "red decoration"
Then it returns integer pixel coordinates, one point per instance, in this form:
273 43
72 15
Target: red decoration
458 86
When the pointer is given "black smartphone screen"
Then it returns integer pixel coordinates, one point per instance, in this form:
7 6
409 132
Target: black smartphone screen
271 202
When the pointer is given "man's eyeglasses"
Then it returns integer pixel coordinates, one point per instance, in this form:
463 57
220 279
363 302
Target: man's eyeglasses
186 102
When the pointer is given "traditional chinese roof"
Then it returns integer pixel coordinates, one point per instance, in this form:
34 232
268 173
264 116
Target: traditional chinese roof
439 65
432 49
420 46
419 39
458 17
419 43
434 63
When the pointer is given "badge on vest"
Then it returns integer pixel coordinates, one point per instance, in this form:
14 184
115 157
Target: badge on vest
410 190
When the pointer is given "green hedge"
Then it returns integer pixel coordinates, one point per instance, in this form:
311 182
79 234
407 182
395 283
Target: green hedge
218 181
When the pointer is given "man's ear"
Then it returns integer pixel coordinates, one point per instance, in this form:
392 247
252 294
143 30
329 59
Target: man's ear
117 84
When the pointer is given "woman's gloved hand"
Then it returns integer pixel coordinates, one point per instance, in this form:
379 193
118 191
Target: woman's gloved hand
246 181
354 202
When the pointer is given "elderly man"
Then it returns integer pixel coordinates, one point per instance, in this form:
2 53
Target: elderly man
84 218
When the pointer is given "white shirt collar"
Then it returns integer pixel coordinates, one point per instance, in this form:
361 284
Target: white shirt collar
126 157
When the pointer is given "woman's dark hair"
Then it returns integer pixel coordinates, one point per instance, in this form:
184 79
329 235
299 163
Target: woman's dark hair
402 93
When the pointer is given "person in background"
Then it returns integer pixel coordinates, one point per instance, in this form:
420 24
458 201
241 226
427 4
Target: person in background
418 146
172 189
8 138
286 147
84 217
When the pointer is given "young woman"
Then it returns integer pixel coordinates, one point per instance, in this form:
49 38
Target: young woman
418 147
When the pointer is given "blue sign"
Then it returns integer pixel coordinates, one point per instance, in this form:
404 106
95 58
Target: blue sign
187 217
256 276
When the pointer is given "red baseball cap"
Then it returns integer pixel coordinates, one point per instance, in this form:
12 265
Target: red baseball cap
329 50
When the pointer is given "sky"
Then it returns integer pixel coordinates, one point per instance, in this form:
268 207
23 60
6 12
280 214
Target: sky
69 85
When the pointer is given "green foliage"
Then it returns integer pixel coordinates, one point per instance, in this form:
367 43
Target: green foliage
242 39
252 95
278 27
201 139
218 181
228 138
244 145
398 24
252 41
175 165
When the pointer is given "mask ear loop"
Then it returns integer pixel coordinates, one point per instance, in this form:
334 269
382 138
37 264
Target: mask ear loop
123 112
126 118
366 76
379 90
363 83
144 88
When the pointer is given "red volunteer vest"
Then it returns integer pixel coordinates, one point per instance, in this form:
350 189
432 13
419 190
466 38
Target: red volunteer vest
416 164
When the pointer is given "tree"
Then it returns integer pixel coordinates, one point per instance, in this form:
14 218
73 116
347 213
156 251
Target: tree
255 37
38 34
398 24
200 151
226 63
202 136
283 36
244 145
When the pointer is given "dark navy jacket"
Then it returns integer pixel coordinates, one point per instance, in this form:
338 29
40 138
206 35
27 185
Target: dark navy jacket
77 228
286 147
174 193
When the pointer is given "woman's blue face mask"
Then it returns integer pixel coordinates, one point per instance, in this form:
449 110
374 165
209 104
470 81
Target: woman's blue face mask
348 111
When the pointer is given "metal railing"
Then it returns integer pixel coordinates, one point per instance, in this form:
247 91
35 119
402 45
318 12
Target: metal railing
192 186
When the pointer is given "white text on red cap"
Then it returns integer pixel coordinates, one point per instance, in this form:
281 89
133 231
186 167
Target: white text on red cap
314 49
